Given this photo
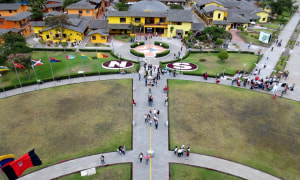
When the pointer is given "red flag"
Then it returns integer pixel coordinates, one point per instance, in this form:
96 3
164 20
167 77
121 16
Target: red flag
16 168
17 65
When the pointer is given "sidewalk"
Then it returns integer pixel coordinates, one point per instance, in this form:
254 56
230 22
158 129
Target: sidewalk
159 168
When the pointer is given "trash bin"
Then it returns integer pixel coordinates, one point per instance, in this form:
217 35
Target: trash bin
151 153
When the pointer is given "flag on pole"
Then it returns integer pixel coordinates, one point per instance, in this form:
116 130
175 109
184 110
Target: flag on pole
37 62
3 68
15 169
54 60
100 55
5 159
17 65
83 56
70 56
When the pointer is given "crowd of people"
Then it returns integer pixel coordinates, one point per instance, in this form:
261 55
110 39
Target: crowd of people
152 115
179 152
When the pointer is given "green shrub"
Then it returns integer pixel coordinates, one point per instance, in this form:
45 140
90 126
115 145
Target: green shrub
164 45
94 50
132 51
245 32
53 49
136 44
166 52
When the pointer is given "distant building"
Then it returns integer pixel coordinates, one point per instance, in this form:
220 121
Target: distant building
229 13
88 8
15 18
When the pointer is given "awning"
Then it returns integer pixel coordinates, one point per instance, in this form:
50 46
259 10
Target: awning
73 40
56 40
179 31
63 40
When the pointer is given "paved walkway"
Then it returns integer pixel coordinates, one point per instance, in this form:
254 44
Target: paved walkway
158 138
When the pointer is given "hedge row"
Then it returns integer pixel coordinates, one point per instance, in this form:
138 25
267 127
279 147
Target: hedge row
164 53
243 52
132 51
165 45
137 44
53 49
94 50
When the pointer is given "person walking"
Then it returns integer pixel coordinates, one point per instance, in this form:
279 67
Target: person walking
188 153
175 150
102 159
139 76
166 100
156 124
141 155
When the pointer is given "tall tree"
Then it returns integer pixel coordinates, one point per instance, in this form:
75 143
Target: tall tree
7 1
37 8
66 3
58 21
176 6
23 59
13 44
122 6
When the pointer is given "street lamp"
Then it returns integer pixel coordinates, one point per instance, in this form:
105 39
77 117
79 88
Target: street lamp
140 33
180 65
119 56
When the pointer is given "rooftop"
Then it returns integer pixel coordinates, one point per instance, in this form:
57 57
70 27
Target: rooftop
148 5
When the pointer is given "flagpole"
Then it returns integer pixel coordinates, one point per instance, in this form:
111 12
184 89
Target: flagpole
2 86
51 70
68 68
82 68
2 173
35 76
98 64
18 75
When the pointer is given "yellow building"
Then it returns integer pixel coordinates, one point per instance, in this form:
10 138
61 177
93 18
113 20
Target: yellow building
152 17
98 31
263 15
75 31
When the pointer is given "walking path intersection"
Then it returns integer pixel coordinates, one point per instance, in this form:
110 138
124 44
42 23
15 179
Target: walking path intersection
146 137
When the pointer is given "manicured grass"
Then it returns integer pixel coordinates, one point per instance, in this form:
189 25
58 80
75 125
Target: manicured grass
88 65
68 121
258 30
237 124
248 38
274 26
115 172
96 45
124 38
213 64
183 172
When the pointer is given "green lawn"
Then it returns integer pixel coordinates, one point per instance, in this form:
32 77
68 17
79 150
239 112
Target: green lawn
68 121
247 38
213 64
236 124
258 30
274 26
183 172
88 65
115 172
124 38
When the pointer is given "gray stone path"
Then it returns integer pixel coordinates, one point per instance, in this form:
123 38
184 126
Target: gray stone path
159 138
